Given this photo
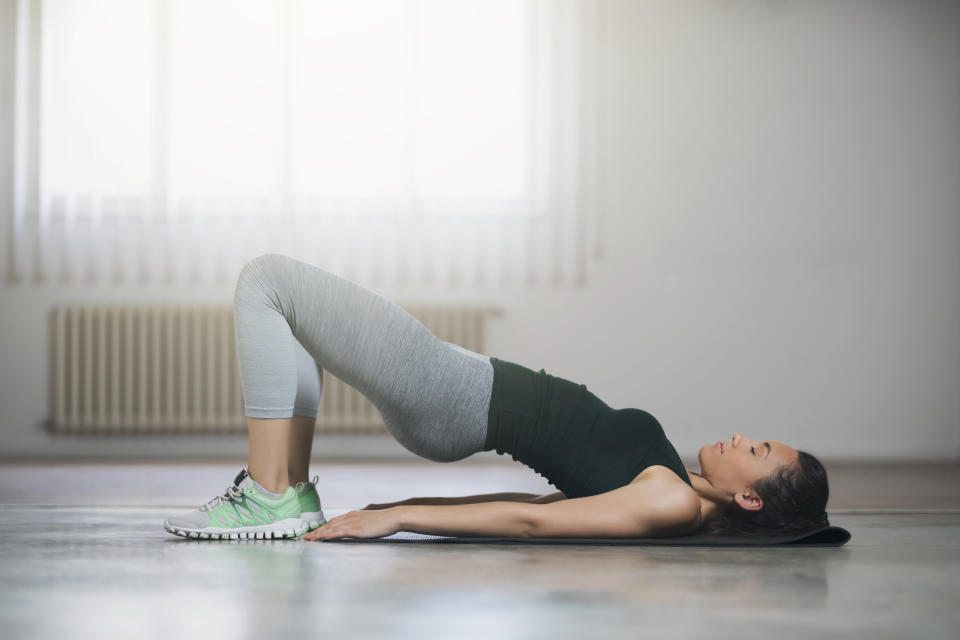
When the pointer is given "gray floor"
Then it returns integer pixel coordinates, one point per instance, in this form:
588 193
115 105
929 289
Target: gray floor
84 555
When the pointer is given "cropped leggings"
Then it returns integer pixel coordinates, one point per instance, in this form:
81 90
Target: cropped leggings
293 320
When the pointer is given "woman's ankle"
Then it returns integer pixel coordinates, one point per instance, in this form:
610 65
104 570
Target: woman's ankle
296 475
276 482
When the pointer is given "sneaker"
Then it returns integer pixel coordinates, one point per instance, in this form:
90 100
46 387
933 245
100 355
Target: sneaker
311 516
242 512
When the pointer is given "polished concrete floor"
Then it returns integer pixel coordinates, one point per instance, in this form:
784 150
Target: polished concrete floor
83 554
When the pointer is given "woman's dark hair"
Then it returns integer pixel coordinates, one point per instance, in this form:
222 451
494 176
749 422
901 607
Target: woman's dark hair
794 501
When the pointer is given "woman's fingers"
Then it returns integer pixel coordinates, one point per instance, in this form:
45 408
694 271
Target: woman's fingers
332 529
312 535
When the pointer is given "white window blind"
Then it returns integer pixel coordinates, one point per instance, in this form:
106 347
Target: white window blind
413 141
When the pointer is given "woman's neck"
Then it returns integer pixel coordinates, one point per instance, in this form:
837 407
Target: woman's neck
712 502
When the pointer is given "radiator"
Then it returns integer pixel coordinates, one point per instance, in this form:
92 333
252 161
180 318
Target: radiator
173 369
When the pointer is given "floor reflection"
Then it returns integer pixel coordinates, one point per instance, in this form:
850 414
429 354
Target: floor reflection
116 573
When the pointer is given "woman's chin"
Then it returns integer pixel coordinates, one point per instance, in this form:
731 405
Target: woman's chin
701 453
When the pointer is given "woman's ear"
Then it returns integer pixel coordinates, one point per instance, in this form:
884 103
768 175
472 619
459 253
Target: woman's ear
748 500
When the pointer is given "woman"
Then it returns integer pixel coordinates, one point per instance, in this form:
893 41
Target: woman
617 473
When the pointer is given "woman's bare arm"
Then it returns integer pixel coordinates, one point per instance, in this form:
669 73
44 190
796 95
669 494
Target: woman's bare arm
649 508
511 519
531 498
655 506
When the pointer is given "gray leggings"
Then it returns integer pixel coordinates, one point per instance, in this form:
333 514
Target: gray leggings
293 320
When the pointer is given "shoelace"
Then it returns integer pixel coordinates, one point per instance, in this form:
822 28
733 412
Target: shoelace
232 493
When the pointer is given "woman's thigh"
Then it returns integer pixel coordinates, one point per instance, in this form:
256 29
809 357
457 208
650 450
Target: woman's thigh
433 395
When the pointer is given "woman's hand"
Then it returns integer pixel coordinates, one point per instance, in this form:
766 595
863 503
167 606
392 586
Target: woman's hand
358 524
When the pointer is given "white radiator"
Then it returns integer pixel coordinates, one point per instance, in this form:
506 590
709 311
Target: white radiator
173 369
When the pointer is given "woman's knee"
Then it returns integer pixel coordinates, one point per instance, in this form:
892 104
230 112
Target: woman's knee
255 275
267 264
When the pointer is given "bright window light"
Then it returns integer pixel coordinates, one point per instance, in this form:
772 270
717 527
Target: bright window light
366 99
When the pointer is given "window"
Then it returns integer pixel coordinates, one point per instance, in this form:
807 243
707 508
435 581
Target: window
446 112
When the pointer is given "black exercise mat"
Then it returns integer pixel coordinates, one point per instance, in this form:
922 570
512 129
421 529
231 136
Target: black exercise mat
828 536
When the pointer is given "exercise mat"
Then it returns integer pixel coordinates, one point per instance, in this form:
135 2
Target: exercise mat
827 536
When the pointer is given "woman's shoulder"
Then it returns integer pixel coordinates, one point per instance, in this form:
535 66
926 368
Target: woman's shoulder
662 474
685 505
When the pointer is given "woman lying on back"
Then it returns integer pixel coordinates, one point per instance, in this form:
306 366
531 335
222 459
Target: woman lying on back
617 473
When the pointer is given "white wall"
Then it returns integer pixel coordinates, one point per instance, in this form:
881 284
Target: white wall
782 215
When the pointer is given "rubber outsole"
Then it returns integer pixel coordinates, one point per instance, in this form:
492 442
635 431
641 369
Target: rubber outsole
274 534
313 520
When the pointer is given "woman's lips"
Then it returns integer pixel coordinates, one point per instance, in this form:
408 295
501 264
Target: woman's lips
720 445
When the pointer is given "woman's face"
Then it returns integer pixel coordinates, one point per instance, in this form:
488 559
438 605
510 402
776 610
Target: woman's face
734 465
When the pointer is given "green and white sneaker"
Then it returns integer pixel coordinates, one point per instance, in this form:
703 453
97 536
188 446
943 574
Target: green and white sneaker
243 511
311 515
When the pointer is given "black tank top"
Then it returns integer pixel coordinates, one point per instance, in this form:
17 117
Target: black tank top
570 436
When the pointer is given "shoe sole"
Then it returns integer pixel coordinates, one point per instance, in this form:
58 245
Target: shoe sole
289 528
312 520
